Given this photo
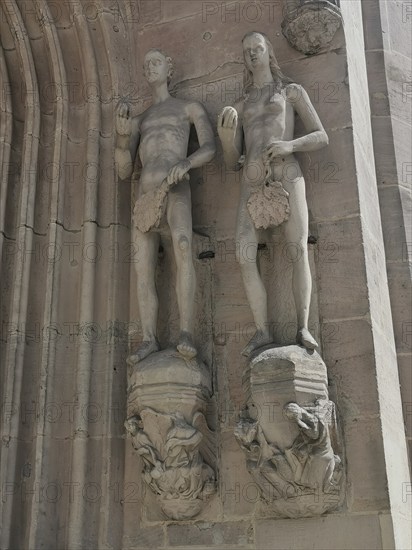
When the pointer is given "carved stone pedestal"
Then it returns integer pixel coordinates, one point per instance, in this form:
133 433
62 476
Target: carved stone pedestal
167 400
289 432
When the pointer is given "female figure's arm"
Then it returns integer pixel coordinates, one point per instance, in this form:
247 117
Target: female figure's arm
316 138
230 132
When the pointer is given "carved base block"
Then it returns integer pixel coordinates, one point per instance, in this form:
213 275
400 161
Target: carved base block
277 376
289 433
166 381
167 400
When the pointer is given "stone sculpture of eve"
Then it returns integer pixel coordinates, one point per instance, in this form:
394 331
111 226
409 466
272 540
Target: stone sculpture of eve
262 124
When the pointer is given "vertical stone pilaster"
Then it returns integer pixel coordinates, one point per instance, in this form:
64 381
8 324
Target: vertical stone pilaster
392 430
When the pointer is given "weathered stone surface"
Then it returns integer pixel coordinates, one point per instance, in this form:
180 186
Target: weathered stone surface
342 292
345 372
333 532
239 493
405 378
366 487
212 535
145 539
384 151
323 77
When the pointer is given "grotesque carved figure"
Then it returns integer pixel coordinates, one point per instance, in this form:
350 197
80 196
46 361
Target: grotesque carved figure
309 466
161 134
173 453
311 457
272 187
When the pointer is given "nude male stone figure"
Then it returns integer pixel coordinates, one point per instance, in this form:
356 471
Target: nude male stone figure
263 124
161 134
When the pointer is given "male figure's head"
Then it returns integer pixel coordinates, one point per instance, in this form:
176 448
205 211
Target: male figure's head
157 67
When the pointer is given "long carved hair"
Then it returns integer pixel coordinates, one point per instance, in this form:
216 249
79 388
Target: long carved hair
280 79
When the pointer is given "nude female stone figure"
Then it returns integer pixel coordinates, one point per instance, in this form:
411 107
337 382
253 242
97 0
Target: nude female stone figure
161 134
263 124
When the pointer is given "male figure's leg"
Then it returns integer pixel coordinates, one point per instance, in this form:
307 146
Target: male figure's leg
179 217
147 246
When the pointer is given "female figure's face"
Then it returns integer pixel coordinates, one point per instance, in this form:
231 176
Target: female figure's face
255 52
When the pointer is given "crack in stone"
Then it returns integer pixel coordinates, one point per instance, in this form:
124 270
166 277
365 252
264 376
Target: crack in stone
7 237
199 79
75 231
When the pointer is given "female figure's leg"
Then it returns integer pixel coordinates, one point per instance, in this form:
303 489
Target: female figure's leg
246 251
296 233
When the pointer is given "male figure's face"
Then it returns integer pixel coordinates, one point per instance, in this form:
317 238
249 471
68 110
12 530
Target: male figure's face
255 52
156 67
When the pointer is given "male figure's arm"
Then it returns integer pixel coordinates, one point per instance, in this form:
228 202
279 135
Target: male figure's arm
207 147
231 134
316 137
127 139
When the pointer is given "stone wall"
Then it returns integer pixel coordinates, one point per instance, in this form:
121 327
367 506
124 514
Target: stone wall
68 305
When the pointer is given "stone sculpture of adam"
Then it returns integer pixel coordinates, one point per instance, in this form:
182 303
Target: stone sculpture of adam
161 135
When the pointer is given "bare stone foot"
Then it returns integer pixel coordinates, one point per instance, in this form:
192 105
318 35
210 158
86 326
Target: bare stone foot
186 346
144 350
305 338
259 339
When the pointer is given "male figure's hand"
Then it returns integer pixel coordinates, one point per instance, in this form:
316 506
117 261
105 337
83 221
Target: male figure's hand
123 121
178 172
277 149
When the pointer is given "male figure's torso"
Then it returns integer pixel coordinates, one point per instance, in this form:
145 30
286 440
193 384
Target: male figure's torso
164 137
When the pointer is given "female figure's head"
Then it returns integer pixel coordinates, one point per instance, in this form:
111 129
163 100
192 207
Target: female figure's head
257 52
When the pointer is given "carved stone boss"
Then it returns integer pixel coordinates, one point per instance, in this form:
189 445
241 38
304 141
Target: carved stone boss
310 25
